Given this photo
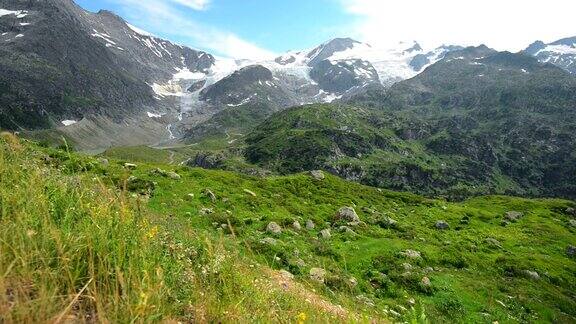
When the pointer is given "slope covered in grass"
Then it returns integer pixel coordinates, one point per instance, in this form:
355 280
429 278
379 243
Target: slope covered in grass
73 248
151 242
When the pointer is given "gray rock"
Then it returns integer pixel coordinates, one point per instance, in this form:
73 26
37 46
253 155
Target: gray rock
426 282
286 275
317 175
206 211
493 242
442 225
318 274
325 234
429 270
571 251
571 211
130 166
513 216
531 274
104 162
268 241
411 254
296 226
173 175
387 222
407 266
310 225
572 222
347 230
347 214
274 228
208 193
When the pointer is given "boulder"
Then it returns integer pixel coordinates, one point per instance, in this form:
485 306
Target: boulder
493 243
347 214
317 175
387 222
572 222
206 211
571 251
268 241
571 211
318 274
310 225
442 225
173 175
513 216
208 193
411 254
347 230
325 234
426 282
531 274
296 226
130 166
273 228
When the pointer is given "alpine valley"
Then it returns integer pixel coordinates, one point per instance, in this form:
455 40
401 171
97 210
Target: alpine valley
146 181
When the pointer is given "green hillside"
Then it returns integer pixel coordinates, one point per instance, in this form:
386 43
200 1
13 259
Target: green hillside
149 242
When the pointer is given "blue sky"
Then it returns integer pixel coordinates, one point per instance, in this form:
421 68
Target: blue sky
271 25
264 28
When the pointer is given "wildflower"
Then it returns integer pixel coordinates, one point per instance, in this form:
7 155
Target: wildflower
301 319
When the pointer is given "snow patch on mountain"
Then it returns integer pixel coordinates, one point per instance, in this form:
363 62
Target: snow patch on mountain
18 13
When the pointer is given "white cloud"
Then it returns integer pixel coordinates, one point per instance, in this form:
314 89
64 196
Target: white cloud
194 4
501 24
163 18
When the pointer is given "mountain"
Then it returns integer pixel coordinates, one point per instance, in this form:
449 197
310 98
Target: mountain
101 82
63 66
336 70
476 122
561 53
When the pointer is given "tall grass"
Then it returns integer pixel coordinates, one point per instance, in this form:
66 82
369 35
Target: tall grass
69 250
75 250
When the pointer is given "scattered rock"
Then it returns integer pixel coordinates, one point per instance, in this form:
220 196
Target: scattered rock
310 225
442 225
206 211
429 270
407 266
318 274
347 230
411 254
296 226
513 216
104 162
274 228
531 274
365 300
190 196
571 211
208 193
268 241
571 250
572 222
130 166
286 275
411 302
426 282
325 234
387 222
353 282
504 223
317 175
251 193
347 214
173 175
493 243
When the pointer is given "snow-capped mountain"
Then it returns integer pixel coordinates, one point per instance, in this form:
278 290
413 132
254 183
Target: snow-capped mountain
102 82
561 53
